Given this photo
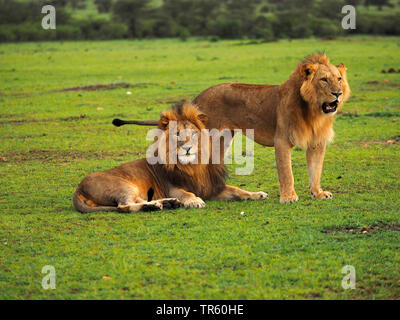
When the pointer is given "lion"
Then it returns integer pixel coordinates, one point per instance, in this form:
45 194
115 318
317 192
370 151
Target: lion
141 186
300 112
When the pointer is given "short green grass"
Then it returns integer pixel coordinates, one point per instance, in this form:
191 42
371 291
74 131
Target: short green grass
50 140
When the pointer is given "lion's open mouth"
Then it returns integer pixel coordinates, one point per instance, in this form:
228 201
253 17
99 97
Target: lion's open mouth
330 107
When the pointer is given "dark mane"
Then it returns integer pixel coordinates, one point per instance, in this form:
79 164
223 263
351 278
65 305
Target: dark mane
204 180
211 182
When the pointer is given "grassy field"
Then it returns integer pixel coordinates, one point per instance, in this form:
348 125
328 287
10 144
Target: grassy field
51 138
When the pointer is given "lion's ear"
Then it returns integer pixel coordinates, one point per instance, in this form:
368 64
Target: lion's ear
308 70
203 118
163 122
342 68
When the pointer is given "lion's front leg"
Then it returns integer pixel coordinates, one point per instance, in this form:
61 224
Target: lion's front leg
231 193
284 165
188 199
315 160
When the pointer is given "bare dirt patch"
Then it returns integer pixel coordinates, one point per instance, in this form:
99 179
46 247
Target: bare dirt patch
364 230
390 70
390 141
95 87
6 116
386 83
62 155
23 121
386 114
109 86
348 114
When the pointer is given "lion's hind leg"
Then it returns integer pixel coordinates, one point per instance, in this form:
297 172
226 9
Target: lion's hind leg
231 193
102 191
140 206
146 206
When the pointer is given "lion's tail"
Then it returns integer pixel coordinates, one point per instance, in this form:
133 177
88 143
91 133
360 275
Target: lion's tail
82 207
119 122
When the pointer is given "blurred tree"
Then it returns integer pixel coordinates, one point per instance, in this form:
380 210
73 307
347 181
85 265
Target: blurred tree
77 4
330 9
193 15
378 3
103 5
262 19
58 3
131 12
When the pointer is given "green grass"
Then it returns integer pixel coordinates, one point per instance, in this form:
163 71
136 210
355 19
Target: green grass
51 140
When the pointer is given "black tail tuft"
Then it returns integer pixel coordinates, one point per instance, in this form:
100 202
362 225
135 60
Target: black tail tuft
118 122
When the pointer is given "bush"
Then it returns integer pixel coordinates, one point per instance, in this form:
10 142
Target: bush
262 29
267 35
214 39
226 28
291 24
68 33
378 24
326 29
99 29
183 33
25 32
6 34
111 30
103 5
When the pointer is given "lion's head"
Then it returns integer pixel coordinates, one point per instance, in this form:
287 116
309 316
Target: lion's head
324 86
185 150
183 141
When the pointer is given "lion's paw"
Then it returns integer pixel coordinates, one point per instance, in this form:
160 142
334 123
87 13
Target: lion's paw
152 206
289 198
322 195
194 203
260 195
171 203
125 208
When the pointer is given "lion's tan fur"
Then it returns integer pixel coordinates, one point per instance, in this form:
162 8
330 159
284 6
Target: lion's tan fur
283 116
138 185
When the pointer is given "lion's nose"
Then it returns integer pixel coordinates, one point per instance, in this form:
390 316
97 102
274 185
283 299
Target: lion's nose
187 148
337 94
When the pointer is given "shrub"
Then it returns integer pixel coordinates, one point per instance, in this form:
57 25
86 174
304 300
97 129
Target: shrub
7 34
267 35
183 33
226 28
326 29
290 24
112 30
378 24
214 39
29 32
68 33
103 5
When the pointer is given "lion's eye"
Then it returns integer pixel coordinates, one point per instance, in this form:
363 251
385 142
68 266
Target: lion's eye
324 80
340 79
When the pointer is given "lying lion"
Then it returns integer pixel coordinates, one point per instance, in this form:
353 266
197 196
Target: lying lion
298 112
138 185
